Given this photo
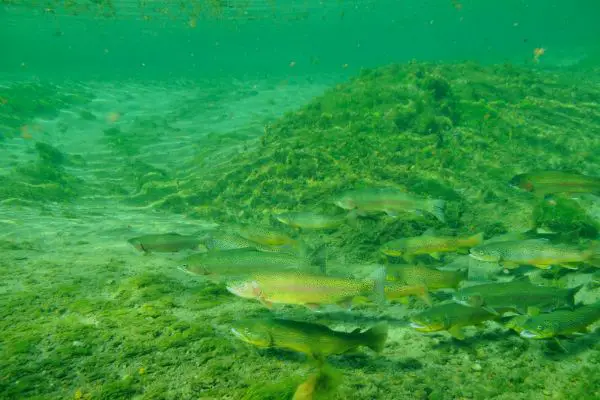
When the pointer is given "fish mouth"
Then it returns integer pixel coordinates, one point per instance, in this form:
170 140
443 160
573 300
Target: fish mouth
529 335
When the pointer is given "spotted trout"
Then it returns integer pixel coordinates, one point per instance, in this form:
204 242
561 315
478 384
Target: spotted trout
164 242
451 317
310 290
389 201
429 244
518 295
547 182
540 253
315 340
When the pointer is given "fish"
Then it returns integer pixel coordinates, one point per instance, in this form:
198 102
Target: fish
543 183
450 317
390 201
309 290
540 253
310 220
431 278
231 241
518 295
428 244
220 265
165 242
265 236
560 322
315 340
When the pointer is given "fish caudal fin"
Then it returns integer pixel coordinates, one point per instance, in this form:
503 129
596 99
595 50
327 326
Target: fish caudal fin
375 337
571 295
379 277
437 207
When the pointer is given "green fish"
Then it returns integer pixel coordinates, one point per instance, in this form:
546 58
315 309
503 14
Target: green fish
547 182
165 242
540 253
389 201
315 340
432 278
265 235
428 244
310 220
310 290
242 262
451 317
232 241
560 322
518 295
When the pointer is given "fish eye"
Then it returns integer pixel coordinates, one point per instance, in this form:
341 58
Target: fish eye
540 327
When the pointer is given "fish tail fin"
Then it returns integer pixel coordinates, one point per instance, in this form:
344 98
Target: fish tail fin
571 295
594 258
375 337
437 207
475 240
379 277
319 258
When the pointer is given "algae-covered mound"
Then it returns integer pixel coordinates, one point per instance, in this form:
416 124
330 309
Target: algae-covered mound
458 132
22 102
45 179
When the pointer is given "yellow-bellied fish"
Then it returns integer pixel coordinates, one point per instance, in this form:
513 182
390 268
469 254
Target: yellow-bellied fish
310 220
428 244
540 253
390 201
547 182
315 340
231 241
431 278
310 290
243 262
265 235
451 317
518 295
560 322
165 242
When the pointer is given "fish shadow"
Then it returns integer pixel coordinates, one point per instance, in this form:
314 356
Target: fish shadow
373 363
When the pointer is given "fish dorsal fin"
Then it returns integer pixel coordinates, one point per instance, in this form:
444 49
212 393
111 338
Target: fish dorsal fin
533 311
429 232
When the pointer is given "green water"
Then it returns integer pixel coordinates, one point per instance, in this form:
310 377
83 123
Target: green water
219 121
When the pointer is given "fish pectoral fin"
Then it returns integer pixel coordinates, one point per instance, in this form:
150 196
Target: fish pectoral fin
391 213
265 303
560 345
462 251
426 297
457 333
346 304
436 255
569 266
491 310
508 264
312 306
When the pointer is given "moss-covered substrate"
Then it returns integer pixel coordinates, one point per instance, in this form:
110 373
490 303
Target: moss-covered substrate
138 330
